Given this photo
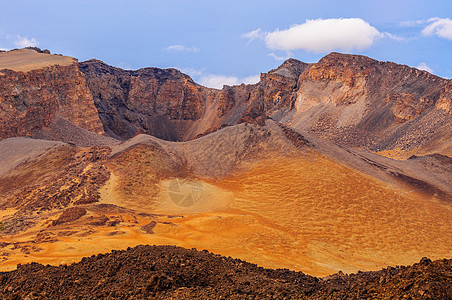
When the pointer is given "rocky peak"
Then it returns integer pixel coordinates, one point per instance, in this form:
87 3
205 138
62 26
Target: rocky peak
98 67
144 100
341 59
290 68
350 99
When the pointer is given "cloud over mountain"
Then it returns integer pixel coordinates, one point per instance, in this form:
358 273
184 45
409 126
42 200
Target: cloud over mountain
181 48
439 27
22 42
217 81
321 35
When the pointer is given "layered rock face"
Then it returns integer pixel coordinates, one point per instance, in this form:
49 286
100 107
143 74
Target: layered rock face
349 99
169 105
30 99
148 100
361 102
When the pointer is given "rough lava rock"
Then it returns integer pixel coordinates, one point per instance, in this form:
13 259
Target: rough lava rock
169 272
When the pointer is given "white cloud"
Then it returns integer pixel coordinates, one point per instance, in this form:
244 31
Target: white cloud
280 58
439 27
251 79
22 42
423 66
324 35
217 81
181 48
254 35
191 71
125 66
393 37
416 23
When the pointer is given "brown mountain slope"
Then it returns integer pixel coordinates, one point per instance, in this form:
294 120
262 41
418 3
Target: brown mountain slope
35 87
349 99
363 103
176 273
169 105
261 193
294 196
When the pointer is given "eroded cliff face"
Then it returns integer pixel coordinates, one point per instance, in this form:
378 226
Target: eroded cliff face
150 100
445 99
169 105
30 100
349 99
364 103
274 94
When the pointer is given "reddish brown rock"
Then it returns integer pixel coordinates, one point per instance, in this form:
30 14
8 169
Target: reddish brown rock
349 99
149 99
360 102
169 272
30 100
70 215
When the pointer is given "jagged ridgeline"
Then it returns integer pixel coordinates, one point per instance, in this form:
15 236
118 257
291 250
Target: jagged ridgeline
348 99
344 164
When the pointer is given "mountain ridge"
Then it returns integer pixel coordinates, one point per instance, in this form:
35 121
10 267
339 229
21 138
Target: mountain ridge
343 98
352 100
288 172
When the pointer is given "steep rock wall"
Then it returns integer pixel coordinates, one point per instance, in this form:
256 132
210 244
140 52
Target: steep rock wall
30 100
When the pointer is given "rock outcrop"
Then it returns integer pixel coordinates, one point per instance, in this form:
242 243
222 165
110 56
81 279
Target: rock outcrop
31 98
349 99
150 100
352 100
168 272
171 106
364 103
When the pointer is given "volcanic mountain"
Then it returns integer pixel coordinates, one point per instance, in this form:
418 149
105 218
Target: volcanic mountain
339 165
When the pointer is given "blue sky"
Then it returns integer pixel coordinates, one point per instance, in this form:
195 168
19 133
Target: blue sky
232 41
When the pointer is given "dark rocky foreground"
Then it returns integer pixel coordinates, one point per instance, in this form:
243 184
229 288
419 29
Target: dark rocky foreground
164 272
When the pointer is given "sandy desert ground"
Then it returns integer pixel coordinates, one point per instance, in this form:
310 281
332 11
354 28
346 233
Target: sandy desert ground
305 213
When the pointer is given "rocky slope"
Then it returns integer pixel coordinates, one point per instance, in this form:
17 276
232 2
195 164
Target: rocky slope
280 173
169 105
352 100
37 87
148 100
167 272
364 103
349 99
241 191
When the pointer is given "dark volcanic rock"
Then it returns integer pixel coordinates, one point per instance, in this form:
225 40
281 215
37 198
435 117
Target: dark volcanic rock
148 99
69 215
165 272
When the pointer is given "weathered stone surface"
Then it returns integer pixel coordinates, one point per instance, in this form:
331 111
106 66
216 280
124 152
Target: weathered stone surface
349 99
31 100
148 99
169 272
364 103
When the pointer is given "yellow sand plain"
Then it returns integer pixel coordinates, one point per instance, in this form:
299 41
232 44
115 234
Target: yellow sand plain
305 213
